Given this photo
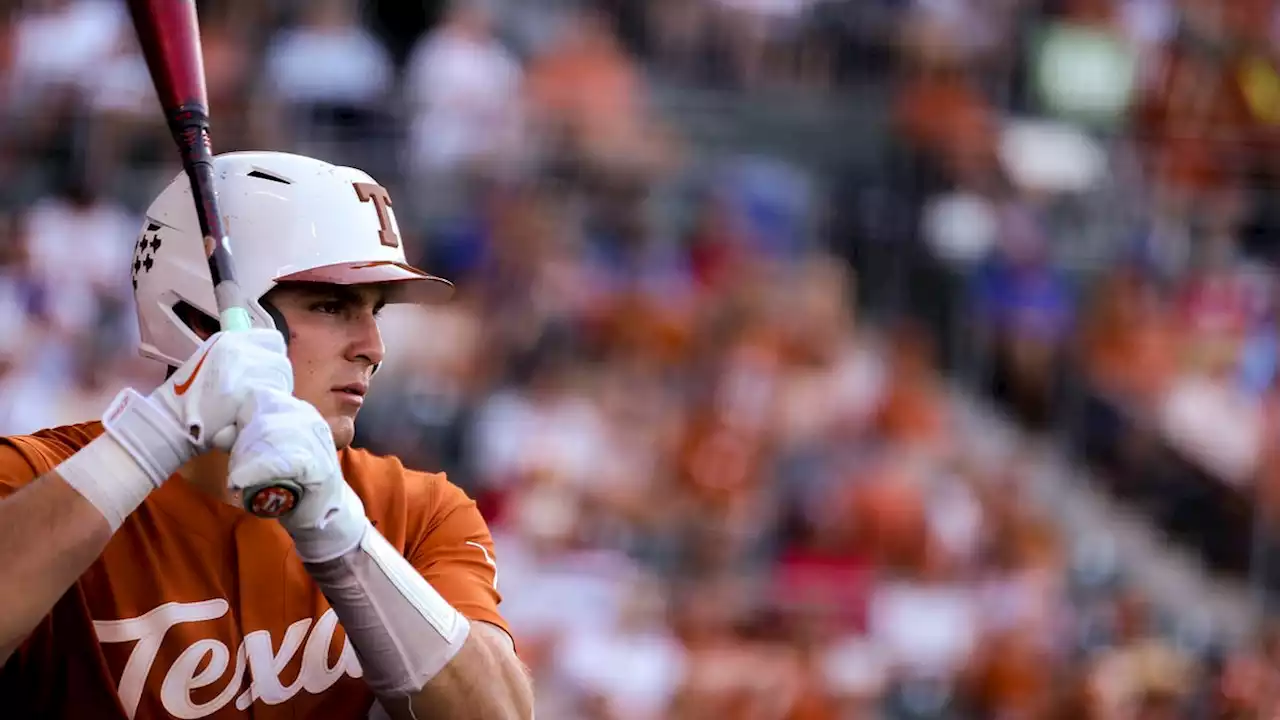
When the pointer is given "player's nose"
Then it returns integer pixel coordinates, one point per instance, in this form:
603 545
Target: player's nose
365 342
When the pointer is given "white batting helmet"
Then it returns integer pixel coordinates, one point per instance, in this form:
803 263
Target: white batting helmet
290 219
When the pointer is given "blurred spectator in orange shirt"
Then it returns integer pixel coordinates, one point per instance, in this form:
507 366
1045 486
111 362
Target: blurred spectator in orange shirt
914 413
590 101
941 112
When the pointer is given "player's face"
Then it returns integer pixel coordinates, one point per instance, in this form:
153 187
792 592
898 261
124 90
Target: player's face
334 343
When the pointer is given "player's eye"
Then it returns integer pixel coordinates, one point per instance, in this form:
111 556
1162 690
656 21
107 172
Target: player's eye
328 307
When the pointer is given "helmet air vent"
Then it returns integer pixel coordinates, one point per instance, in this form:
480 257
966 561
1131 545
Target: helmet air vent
262 175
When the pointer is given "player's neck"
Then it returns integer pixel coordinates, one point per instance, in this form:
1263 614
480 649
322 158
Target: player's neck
208 474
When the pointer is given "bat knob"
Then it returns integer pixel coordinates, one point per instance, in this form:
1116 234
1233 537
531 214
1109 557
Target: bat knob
274 500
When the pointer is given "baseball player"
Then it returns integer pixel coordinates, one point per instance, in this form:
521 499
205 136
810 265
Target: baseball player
134 585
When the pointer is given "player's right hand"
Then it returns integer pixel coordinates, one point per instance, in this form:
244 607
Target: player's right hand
202 404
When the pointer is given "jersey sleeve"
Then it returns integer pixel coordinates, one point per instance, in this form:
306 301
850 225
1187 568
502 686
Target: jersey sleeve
24 458
456 556
15 471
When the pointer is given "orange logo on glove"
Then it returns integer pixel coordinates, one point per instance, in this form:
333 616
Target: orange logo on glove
182 387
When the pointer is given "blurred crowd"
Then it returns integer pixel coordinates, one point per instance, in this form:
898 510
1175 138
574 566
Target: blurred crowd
720 488
1093 184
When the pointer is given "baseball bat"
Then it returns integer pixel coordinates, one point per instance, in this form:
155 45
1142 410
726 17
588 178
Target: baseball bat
169 33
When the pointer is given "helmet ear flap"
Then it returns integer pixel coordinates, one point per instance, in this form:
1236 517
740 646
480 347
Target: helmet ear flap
277 318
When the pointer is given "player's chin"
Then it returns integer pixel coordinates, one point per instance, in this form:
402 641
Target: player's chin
343 427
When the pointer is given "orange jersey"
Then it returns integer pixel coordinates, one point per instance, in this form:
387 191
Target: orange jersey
197 609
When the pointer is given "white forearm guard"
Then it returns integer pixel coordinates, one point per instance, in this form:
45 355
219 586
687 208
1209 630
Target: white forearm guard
404 632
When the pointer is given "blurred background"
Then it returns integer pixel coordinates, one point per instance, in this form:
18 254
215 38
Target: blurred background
812 359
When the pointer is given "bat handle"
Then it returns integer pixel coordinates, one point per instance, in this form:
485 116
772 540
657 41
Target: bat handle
234 319
279 497
273 500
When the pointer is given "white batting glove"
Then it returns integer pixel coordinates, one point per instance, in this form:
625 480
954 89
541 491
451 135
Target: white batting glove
288 439
201 405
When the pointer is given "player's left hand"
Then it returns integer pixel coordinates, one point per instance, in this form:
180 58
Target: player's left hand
287 438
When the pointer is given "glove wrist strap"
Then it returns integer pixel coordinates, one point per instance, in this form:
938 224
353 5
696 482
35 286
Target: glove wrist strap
149 434
335 533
